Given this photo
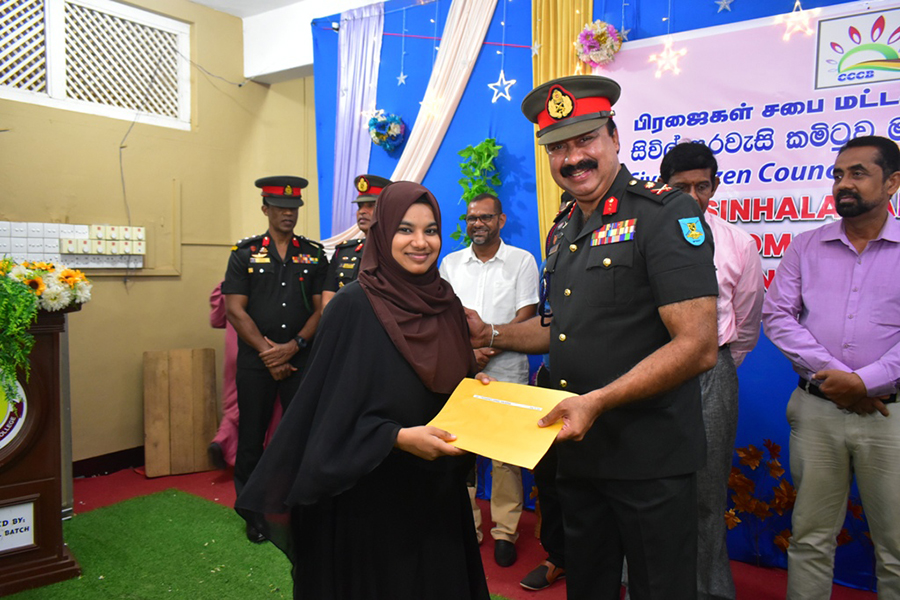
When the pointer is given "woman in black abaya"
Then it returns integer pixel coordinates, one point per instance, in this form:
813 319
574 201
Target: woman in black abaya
367 501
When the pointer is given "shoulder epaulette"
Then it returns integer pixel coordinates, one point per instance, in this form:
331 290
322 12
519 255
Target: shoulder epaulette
568 201
313 242
349 243
655 190
243 243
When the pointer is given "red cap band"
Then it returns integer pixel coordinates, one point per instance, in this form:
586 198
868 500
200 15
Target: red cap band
372 191
277 190
581 106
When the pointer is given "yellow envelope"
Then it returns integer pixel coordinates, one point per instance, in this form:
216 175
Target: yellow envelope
500 420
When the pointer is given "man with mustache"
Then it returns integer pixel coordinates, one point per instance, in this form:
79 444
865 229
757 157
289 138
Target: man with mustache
273 299
632 292
832 309
344 265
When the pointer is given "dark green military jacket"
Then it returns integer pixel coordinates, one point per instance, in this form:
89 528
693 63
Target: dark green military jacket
279 291
645 246
344 265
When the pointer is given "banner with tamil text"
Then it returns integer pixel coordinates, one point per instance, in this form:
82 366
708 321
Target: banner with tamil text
774 99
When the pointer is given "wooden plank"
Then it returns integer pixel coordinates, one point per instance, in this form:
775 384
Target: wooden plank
204 406
181 414
156 414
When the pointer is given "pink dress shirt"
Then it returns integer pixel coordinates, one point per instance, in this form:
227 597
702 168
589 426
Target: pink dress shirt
741 287
829 307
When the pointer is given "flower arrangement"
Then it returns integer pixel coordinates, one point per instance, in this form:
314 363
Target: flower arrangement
387 131
24 289
598 43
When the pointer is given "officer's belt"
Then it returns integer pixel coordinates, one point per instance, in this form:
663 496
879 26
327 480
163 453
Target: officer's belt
811 388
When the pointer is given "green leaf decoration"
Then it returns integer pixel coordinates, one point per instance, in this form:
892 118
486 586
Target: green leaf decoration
479 175
18 310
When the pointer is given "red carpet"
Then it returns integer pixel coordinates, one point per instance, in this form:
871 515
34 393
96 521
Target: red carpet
753 583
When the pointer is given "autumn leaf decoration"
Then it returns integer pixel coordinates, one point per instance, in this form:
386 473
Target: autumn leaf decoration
754 496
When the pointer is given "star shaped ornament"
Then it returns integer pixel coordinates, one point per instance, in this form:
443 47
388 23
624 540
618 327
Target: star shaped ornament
667 60
501 87
401 80
534 48
797 20
724 5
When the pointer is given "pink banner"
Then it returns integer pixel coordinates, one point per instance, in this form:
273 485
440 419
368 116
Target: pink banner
774 103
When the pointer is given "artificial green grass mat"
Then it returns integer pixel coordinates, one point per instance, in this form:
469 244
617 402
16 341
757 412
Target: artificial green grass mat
168 545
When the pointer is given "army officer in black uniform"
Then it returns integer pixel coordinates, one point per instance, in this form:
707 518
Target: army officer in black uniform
631 283
273 298
344 266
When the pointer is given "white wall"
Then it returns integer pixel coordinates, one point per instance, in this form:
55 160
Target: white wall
278 44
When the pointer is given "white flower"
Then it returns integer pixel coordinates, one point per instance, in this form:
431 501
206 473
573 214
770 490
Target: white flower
51 278
82 292
394 129
55 297
20 272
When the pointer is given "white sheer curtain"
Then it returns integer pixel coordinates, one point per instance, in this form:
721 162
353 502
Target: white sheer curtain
467 24
359 49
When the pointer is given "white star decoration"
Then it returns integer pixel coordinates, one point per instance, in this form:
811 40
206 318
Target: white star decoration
724 5
797 20
667 60
401 80
534 48
501 87
624 34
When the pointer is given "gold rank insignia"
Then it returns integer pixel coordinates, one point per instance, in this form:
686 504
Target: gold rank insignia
559 103
362 185
233 248
288 190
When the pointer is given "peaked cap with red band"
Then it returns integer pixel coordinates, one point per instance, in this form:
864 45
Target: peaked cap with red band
282 191
369 186
570 106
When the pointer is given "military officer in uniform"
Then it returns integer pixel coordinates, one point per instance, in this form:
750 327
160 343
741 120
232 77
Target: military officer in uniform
344 265
632 286
273 299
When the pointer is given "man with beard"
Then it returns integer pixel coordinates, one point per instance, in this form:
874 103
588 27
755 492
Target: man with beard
344 265
832 309
273 299
500 282
691 168
631 283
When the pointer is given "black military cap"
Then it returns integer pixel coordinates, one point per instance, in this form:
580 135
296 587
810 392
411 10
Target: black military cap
369 186
282 190
570 106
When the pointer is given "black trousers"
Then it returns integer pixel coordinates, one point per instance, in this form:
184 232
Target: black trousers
257 391
652 522
553 536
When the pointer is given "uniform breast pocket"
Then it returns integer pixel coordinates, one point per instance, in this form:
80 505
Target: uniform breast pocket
609 274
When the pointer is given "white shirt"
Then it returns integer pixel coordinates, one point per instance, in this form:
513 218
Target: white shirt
741 287
496 289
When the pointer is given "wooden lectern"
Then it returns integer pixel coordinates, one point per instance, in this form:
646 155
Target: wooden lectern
32 551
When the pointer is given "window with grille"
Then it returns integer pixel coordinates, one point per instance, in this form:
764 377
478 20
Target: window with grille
96 56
